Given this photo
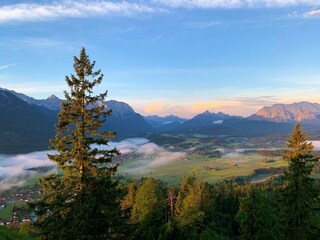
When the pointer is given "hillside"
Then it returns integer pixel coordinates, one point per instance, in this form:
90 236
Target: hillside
27 124
123 120
24 127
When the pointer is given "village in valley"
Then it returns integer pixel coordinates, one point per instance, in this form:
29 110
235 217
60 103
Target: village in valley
14 208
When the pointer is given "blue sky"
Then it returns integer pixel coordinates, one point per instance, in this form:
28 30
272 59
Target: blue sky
168 56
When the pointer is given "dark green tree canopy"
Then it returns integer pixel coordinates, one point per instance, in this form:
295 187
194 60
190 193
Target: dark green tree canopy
256 217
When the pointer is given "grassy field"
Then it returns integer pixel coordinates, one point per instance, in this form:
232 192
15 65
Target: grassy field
7 211
239 157
227 166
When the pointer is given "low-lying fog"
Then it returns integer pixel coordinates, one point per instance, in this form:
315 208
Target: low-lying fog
160 156
14 169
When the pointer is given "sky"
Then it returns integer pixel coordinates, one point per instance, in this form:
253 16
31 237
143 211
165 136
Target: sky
166 57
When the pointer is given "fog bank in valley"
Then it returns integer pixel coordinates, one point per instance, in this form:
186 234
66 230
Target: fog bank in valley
157 155
14 169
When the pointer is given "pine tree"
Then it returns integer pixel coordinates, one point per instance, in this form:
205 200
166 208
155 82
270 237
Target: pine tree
297 144
194 204
80 201
171 199
149 210
128 201
299 196
256 217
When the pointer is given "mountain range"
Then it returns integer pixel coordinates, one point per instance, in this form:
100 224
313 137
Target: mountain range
27 124
125 121
165 124
295 112
157 121
277 119
52 102
207 118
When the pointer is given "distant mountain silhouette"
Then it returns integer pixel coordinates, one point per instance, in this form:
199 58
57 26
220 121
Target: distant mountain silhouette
295 112
164 122
170 126
125 121
207 119
246 128
52 102
236 127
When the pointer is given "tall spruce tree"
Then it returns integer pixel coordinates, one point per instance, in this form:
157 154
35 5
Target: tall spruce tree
80 201
299 195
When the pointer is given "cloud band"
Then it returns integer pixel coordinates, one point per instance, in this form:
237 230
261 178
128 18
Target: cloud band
68 9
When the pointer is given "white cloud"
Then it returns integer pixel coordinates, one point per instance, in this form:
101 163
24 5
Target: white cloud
68 9
207 24
259 101
236 3
24 12
312 13
2 67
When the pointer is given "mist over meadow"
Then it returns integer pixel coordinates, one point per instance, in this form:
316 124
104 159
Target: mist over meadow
15 169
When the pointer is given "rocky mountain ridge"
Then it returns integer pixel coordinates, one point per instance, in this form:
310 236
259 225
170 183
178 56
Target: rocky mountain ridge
295 112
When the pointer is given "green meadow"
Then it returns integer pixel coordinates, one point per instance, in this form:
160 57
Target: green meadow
6 213
203 167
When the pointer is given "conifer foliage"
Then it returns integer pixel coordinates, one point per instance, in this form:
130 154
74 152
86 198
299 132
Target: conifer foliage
256 217
80 201
299 196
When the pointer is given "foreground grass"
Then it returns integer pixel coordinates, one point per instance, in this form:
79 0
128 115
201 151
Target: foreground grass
12 234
